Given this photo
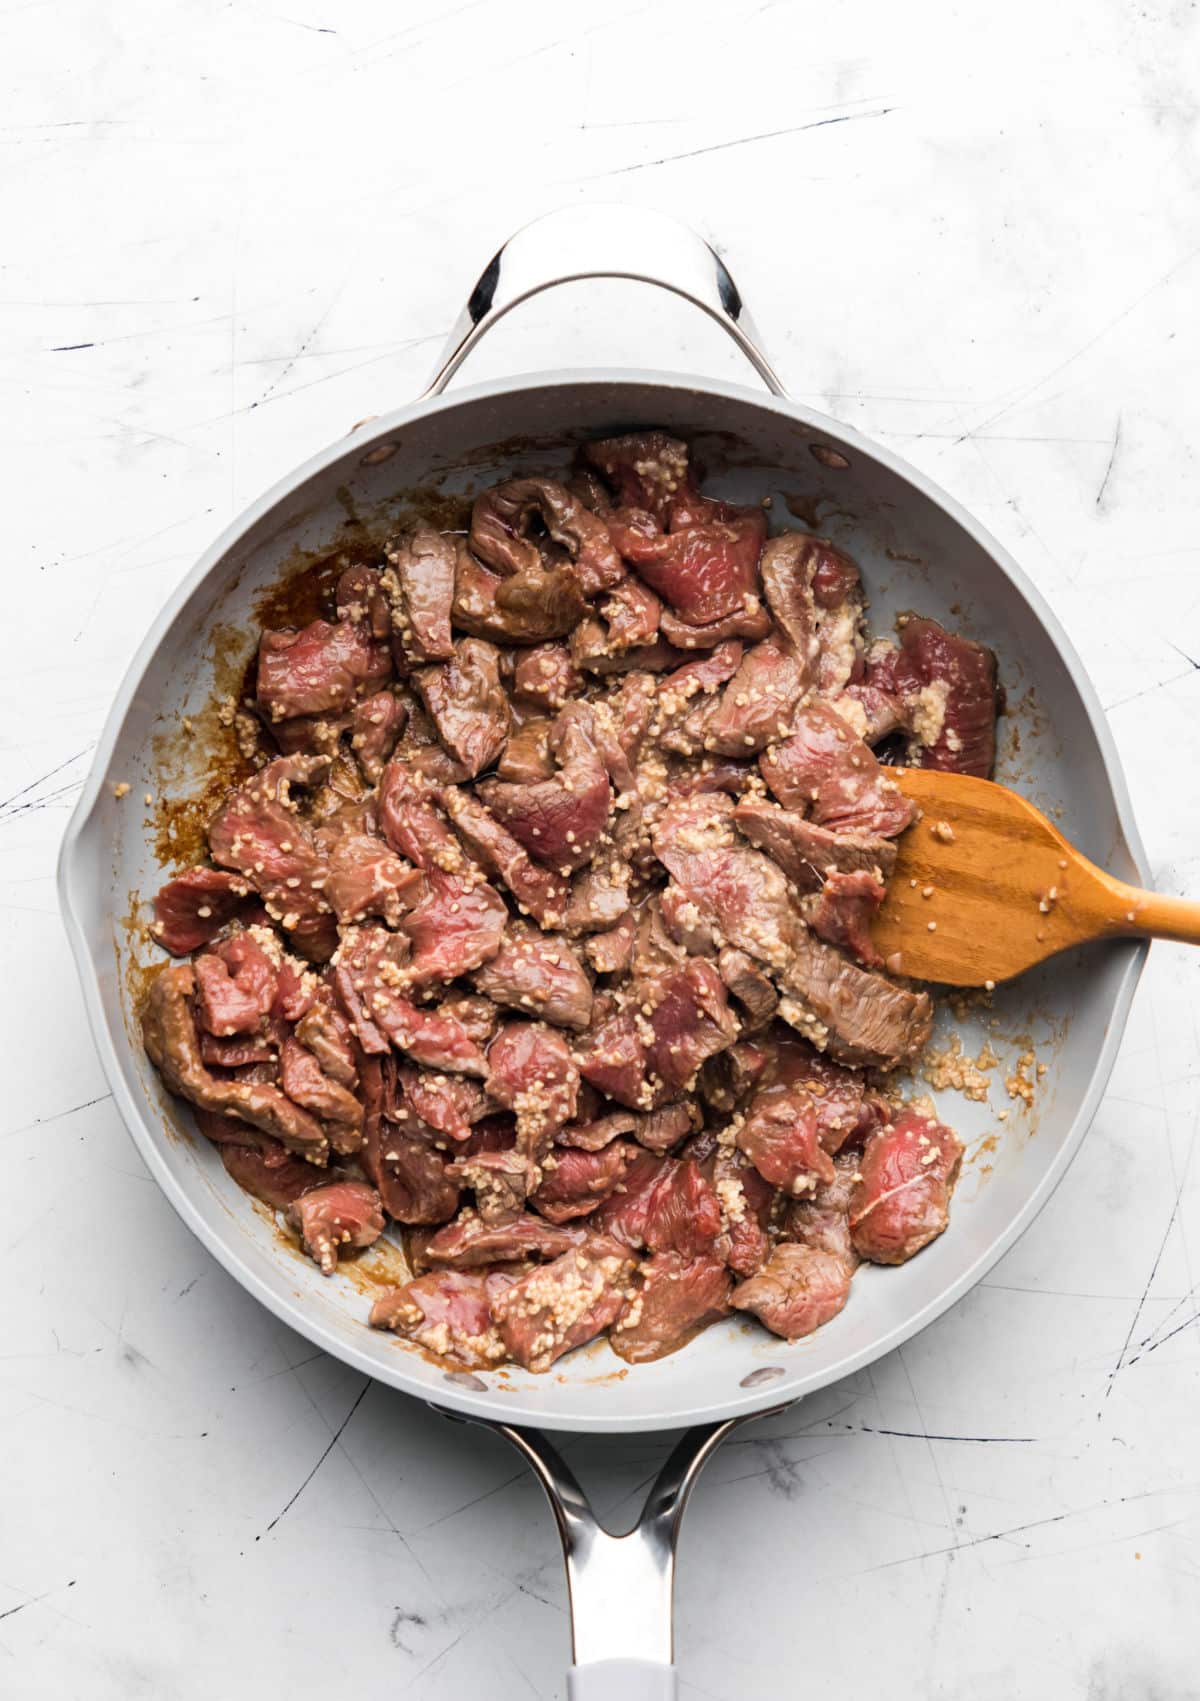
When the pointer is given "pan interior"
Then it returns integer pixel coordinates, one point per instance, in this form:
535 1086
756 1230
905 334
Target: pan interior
917 552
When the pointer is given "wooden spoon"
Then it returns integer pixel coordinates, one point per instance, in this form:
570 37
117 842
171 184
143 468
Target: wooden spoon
986 887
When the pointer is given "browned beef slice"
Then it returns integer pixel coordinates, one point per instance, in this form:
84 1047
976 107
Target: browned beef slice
322 668
467 703
468 1241
531 1072
456 925
902 1202
611 952
449 1104
500 1181
575 1182
545 677
500 527
842 911
306 1084
564 1303
236 986
169 1036
676 1298
346 1215
376 724
599 898
705 566
527 758
807 853
558 821
535 604
448 1313
367 878
856 1015
326 1033
647 469
538 891
599 1132
797 1290
690 1019
419 579
371 977
825 770
780 1137
193 908
259 832
955 679
540 974
268 1170
756 707
750 987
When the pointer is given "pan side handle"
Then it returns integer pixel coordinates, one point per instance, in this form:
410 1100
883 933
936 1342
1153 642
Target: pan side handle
621 1587
602 240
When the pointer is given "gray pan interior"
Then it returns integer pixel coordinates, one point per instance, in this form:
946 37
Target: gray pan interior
917 550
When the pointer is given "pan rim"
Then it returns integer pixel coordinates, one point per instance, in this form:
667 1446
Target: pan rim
73 865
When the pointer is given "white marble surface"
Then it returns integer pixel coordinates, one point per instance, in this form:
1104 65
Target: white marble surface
231 230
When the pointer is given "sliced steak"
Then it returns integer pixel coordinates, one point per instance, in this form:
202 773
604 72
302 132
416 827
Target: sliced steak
563 1304
842 911
807 853
539 974
902 1202
469 1242
344 1216
191 910
797 1290
676 1298
575 1182
781 1138
419 580
467 704
448 1313
825 770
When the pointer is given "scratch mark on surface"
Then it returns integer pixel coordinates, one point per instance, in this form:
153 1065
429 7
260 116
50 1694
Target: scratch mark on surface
1116 443
45 1121
1123 1357
746 141
34 1599
333 1441
69 348
923 1435
486 1495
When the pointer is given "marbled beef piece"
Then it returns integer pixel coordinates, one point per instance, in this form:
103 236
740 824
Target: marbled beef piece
419 581
624 623
323 668
469 1242
842 912
412 823
375 727
526 758
748 1205
611 951
236 985
558 821
951 698
414 1180
326 1032
682 1213
576 1182
599 897
564 1303
334 1106
902 1202
467 704
540 974
662 1130
689 1018
449 1104
809 854
259 832
623 1214
797 1290
826 771
750 987
856 1015
501 520
448 1313
780 1136
344 1216
367 878
686 690
191 910
707 569
601 1131
676 1298
539 892
455 926
268 1171
752 623
533 606
545 678
371 977
531 1072
646 469
500 1181
169 1036
756 707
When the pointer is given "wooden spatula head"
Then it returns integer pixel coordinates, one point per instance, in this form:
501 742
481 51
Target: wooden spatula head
985 887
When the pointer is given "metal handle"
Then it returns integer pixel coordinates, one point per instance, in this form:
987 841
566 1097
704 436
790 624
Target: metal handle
602 241
621 1587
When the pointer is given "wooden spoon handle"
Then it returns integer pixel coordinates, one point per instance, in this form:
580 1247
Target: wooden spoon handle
1155 914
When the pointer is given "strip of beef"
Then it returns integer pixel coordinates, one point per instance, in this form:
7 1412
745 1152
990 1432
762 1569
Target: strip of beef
469 1242
412 823
191 910
600 1131
647 469
326 1033
705 566
599 899
780 1137
335 1106
902 1202
448 1313
238 1051
527 758
449 1104
611 952
414 1180
456 926
236 986
467 704
267 1171
563 1304
842 912
296 988
809 854
545 678
259 832
419 580
575 1182
370 973
690 1020
375 726
750 987
367 878
955 681
660 1130
558 821
540 974
748 1202
500 532
676 1299
828 772
500 1181
539 892
534 605
531 1072
322 668
756 707
344 1216
847 1112
169 1036
798 1289
857 1015
676 705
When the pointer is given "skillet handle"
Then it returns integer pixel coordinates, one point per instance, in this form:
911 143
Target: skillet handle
621 1587
602 240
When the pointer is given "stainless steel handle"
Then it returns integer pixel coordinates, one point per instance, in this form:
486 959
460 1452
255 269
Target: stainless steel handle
602 241
621 1587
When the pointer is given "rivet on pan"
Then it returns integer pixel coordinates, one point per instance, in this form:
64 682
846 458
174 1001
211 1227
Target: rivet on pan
464 1379
768 1373
381 452
828 457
